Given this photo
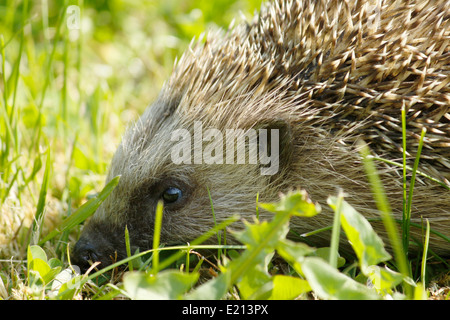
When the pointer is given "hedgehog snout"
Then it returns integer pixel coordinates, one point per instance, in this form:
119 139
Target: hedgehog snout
89 250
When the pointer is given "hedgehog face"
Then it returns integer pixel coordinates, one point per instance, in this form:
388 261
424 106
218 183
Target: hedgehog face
156 165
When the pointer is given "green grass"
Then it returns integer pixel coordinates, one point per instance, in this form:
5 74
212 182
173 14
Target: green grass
67 97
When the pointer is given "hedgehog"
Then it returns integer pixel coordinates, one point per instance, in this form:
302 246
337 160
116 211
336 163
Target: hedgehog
311 79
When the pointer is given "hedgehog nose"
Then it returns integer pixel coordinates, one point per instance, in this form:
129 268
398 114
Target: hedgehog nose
84 254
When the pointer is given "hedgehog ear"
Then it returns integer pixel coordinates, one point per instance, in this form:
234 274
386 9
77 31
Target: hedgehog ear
274 146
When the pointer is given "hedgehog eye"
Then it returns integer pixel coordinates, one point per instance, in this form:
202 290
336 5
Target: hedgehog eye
171 195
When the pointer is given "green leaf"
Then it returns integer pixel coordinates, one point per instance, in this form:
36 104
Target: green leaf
261 239
367 245
35 280
37 262
214 289
293 253
68 289
383 279
325 253
36 252
254 234
254 279
328 283
40 266
166 285
294 203
65 285
288 288
54 263
50 275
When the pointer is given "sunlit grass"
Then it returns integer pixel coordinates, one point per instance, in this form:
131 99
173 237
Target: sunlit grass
67 95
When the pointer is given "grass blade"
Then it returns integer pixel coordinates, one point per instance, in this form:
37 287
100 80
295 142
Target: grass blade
334 247
157 235
219 234
420 173
405 206
39 215
128 248
386 215
407 217
167 262
425 252
9 135
84 212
